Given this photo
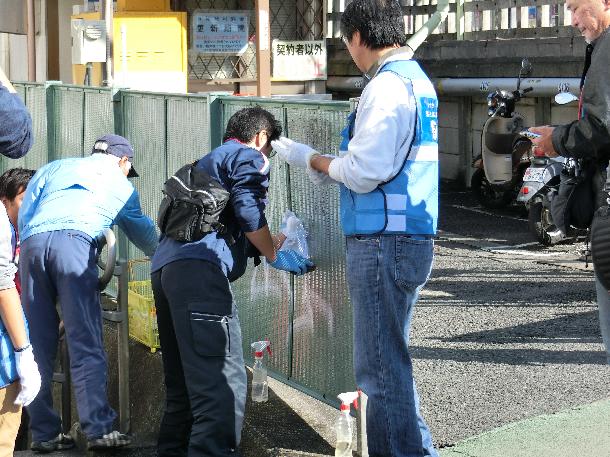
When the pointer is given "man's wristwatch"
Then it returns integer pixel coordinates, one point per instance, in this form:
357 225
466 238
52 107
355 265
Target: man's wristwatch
27 346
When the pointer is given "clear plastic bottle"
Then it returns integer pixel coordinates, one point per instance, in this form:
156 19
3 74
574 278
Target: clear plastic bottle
260 388
343 426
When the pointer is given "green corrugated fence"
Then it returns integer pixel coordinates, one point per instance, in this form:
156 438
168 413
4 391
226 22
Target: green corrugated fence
308 318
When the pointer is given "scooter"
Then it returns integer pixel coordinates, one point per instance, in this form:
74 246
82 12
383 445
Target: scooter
505 155
540 185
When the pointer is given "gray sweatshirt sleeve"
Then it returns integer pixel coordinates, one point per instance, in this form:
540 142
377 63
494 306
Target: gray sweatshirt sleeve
7 267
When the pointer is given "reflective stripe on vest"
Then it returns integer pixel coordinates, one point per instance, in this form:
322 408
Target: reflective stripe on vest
408 203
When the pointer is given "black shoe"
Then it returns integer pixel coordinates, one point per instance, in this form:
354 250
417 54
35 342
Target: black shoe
60 442
108 441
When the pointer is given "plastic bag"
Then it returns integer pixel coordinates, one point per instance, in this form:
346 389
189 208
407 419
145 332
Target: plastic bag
296 235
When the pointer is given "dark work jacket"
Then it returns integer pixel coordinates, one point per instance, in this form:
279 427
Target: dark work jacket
15 125
244 172
589 137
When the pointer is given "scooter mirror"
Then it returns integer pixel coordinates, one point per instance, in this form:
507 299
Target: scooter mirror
563 98
526 67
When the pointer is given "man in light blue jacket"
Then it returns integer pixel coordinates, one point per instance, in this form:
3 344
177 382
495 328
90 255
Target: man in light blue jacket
67 204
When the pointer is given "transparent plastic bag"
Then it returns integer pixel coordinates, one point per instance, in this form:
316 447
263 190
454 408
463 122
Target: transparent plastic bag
296 235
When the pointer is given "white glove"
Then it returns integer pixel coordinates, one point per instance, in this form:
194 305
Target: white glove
29 376
318 178
293 153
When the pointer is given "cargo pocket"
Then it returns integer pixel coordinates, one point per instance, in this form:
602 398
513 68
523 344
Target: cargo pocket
210 333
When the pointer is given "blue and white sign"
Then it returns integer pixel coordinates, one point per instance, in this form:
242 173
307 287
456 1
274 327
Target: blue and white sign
220 32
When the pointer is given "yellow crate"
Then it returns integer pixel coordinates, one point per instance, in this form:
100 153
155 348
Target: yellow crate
142 314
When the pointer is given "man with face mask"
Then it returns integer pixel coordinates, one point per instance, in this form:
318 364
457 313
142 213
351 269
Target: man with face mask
66 205
589 136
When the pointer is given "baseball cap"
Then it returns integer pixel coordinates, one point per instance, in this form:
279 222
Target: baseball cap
117 146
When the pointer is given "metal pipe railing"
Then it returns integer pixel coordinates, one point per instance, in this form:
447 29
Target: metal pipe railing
111 268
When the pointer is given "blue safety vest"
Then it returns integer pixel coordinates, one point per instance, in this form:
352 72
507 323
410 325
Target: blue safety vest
408 203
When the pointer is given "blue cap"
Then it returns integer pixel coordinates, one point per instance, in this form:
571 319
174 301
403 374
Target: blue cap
117 146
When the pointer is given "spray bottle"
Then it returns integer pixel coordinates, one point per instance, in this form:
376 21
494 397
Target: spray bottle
260 389
343 426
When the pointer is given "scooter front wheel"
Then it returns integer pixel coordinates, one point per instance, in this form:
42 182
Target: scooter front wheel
541 225
487 195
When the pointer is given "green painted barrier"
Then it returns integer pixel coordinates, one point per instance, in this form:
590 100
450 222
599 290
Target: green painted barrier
308 319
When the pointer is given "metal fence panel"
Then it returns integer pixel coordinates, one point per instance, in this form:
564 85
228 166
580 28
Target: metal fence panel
67 116
264 295
322 318
187 114
144 125
309 316
35 98
307 319
98 117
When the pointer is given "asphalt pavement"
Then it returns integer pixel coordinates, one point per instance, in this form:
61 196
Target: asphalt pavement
506 348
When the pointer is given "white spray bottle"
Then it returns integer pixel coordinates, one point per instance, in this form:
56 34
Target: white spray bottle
343 426
260 389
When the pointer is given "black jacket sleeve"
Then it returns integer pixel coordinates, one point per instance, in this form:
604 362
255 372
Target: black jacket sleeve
15 125
590 135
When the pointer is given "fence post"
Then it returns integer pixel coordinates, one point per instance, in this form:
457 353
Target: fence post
51 121
459 19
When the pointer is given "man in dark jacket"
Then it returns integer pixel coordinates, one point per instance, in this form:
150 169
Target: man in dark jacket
15 122
199 330
589 136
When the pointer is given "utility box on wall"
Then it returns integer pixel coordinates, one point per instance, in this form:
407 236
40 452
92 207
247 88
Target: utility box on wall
149 53
88 41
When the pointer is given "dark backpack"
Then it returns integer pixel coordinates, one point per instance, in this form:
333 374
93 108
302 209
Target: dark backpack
192 204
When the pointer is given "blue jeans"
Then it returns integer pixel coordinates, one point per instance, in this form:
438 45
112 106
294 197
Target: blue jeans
603 302
385 275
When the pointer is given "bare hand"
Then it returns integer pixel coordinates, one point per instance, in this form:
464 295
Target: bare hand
544 144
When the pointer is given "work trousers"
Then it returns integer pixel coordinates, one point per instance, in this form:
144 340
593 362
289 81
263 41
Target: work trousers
60 266
201 346
10 418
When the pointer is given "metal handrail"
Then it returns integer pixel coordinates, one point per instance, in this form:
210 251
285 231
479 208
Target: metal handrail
120 317
106 238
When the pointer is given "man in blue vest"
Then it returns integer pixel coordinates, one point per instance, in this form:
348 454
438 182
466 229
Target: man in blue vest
388 176
67 204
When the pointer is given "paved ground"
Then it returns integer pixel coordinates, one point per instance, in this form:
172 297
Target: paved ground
506 346
581 431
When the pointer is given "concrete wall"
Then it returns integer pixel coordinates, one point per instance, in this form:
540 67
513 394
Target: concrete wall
461 121
13 49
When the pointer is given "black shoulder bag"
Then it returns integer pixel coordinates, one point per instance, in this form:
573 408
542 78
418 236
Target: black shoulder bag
192 204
